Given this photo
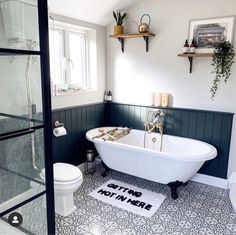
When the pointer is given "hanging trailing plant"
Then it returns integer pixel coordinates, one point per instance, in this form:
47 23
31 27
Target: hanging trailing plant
222 60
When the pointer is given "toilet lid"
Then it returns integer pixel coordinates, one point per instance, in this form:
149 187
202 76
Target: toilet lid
64 172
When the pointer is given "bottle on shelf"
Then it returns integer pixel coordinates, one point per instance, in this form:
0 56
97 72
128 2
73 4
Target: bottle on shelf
186 47
108 96
192 48
105 95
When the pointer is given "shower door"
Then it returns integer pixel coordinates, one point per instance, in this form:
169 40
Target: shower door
25 119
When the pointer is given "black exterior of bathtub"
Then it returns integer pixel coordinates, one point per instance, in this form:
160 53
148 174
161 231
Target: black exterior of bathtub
210 126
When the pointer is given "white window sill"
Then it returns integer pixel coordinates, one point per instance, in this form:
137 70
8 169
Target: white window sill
69 93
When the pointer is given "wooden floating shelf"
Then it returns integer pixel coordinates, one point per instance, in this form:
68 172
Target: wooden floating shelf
196 55
133 35
145 36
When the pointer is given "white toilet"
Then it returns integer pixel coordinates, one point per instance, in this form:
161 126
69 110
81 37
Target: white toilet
67 179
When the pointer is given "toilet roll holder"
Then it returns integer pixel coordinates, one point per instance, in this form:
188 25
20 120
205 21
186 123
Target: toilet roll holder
59 129
58 124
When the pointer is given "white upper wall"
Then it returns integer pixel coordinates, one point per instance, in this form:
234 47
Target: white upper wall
135 74
93 15
94 11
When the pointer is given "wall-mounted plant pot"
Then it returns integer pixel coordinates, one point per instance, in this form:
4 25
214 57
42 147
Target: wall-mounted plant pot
118 29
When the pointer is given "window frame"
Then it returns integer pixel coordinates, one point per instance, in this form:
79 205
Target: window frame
66 30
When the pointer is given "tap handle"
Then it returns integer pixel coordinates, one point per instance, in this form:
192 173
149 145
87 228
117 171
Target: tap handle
162 114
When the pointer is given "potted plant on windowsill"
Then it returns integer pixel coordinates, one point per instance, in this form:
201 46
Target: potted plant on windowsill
119 18
222 60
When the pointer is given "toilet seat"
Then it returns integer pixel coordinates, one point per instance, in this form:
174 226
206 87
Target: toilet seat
64 173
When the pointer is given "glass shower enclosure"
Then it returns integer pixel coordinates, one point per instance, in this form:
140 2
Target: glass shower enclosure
25 119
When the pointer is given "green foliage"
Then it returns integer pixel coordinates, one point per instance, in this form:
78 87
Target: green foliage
119 18
222 61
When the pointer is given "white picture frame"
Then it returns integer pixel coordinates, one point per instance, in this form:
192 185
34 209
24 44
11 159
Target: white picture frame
208 32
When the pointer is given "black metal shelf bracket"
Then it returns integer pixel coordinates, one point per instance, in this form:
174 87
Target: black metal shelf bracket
122 42
191 64
146 39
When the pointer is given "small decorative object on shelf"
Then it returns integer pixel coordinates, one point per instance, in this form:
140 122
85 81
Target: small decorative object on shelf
164 100
156 99
186 47
108 96
119 18
192 48
144 27
222 60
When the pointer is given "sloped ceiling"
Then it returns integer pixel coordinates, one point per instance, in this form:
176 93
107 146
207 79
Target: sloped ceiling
94 11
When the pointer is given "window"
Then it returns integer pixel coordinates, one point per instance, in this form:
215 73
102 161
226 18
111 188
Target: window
69 62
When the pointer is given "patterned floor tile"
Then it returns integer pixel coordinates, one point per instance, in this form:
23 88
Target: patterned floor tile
200 209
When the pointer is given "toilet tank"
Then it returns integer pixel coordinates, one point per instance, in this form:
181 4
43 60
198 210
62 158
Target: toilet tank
20 19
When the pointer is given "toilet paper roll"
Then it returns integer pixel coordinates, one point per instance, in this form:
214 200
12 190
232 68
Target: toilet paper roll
59 131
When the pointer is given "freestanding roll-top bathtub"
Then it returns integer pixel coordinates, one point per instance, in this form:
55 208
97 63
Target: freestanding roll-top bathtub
179 160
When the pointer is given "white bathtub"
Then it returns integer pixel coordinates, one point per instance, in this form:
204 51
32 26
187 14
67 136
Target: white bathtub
179 160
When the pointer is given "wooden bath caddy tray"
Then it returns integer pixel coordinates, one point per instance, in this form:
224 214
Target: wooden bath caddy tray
113 134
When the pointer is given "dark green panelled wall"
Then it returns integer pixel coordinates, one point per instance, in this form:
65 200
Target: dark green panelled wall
77 120
210 126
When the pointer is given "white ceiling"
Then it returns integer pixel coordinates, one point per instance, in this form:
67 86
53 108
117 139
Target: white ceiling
94 11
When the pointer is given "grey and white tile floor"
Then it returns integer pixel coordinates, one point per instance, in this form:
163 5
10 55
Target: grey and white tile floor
200 209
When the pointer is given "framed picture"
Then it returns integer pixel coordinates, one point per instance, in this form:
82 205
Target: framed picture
208 32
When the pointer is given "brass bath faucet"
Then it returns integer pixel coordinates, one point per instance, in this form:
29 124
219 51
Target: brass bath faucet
157 123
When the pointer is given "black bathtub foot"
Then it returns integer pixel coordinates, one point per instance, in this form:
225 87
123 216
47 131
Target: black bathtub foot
107 169
185 184
173 187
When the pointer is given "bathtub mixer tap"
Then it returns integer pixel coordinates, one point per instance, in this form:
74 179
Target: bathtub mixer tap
157 123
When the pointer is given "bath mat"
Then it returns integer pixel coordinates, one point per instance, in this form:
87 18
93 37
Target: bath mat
128 197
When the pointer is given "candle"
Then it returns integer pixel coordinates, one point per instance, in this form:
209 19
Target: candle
157 99
164 99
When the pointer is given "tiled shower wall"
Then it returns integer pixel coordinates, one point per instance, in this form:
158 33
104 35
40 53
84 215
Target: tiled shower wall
210 126
16 167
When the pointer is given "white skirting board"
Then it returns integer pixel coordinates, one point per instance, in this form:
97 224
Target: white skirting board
210 180
232 186
232 179
200 178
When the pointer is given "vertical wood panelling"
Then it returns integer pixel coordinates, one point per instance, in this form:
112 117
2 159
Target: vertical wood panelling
193 125
211 127
71 148
216 139
225 140
177 123
200 125
184 124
